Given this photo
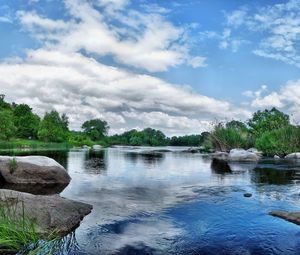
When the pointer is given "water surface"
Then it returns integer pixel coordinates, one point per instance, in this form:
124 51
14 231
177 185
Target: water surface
180 203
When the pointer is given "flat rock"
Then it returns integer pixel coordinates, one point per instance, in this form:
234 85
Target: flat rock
242 155
295 155
51 213
293 217
33 170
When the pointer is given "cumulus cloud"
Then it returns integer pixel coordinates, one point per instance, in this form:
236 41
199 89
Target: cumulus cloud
66 73
142 40
85 88
287 98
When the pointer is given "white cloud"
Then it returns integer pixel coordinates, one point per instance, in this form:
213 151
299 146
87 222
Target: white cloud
277 26
287 98
84 88
141 40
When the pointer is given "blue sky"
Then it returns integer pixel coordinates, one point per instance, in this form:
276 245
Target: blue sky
173 65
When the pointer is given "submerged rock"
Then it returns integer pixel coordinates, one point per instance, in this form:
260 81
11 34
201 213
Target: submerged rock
52 214
295 155
247 195
242 155
293 217
32 170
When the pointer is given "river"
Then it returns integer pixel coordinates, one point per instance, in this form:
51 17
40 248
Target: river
179 203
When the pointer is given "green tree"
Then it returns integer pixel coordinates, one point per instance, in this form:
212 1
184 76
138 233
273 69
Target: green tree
26 122
7 128
4 105
53 127
267 120
96 129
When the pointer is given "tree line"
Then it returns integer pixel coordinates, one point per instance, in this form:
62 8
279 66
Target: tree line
18 121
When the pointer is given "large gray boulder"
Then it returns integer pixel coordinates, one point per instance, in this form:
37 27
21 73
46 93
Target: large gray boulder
32 170
52 214
243 155
295 155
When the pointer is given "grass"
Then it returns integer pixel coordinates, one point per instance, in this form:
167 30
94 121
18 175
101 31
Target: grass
21 144
17 231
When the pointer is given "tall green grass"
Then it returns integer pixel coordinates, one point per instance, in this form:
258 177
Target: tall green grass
16 229
225 139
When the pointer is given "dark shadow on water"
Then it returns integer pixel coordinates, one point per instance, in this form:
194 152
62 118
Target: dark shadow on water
220 167
274 176
96 162
148 158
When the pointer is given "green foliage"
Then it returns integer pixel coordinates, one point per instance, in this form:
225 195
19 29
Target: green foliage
79 139
4 105
187 140
147 136
7 127
96 129
13 165
16 228
53 128
231 135
264 121
279 141
26 122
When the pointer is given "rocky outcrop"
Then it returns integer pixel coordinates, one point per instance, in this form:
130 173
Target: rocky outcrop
32 170
295 155
97 147
293 217
220 155
243 156
52 214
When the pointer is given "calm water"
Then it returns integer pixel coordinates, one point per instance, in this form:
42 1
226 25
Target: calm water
180 203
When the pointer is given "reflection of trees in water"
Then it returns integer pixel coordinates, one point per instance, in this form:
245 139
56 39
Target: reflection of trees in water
148 158
274 176
219 166
96 162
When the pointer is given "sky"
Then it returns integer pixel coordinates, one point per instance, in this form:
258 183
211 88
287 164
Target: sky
178 66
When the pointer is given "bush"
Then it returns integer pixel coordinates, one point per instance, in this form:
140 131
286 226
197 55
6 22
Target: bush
225 138
279 141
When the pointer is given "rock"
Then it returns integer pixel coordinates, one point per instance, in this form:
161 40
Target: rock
256 151
293 217
220 155
162 151
52 214
242 155
247 195
276 157
295 155
86 147
97 147
32 170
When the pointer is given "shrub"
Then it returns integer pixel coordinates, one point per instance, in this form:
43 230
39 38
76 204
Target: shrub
279 141
225 138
